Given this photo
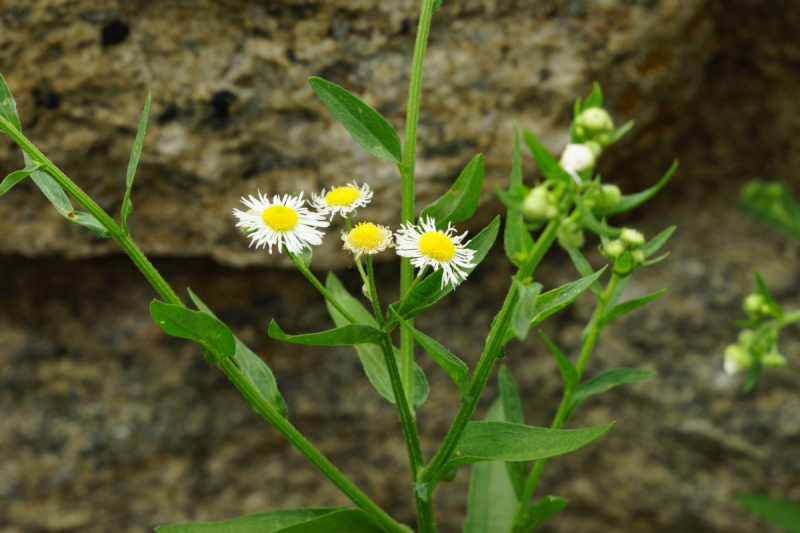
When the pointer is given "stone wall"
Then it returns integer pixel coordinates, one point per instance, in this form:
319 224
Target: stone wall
108 425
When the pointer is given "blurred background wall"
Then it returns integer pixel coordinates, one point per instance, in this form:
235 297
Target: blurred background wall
109 425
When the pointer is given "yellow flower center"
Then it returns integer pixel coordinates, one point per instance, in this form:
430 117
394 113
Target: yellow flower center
280 218
437 245
343 196
366 236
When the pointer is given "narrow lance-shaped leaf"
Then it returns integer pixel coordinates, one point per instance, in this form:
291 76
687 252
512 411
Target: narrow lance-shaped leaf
595 98
591 222
606 381
136 152
512 412
620 132
568 372
367 126
213 336
252 366
658 241
547 163
461 200
333 520
371 355
525 308
584 268
492 500
541 511
517 239
344 336
455 367
8 106
557 299
784 514
629 201
15 177
626 307
430 291
504 441
764 290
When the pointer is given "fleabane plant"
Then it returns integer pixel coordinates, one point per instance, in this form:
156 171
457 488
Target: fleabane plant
508 456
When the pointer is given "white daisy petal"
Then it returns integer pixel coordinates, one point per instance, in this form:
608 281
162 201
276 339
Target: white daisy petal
425 245
342 200
283 222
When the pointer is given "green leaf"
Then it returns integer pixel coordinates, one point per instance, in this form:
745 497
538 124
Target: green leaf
305 256
517 241
371 356
213 336
460 202
595 98
629 201
584 268
8 107
618 133
541 511
568 372
504 441
618 291
525 308
784 514
15 177
608 380
557 299
658 241
547 163
594 225
88 221
366 125
430 290
437 4
136 152
344 336
492 501
252 366
455 367
512 412
333 520
52 191
764 290
626 307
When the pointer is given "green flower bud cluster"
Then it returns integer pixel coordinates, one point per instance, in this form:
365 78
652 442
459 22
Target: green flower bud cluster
602 199
593 128
570 235
756 306
751 348
540 205
625 252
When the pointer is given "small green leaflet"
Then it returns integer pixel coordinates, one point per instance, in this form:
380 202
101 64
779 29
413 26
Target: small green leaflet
8 106
516 238
333 520
525 308
252 366
539 512
504 441
584 268
595 98
626 307
344 336
784 514
213 336
461 200
15 177
568 372
547 163
629 201
136 152
605 381
492 501
658 241
365 125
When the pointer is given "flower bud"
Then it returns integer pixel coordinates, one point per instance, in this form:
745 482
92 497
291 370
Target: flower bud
609 198
577 158
632 238
773 360
570 235
539 205
638 257
737 359
595 119
755 305
614 249
595 147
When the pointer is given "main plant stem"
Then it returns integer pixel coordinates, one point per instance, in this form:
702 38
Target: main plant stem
227 366
407 175
593 332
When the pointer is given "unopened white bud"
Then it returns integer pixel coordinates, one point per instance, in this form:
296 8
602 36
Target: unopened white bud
737 359
577 158
539 205
614 249
595 119
755 305
631 237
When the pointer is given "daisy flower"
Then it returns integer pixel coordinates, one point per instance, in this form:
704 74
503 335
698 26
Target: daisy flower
426 245
284 222
342 200
367 238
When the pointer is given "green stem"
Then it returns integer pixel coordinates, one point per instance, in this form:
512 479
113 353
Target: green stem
306 448
493 346
320 287
595 326
168 295
407 421
407 174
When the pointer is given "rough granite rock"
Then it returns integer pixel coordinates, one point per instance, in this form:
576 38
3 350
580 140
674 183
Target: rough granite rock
233 112
109 425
